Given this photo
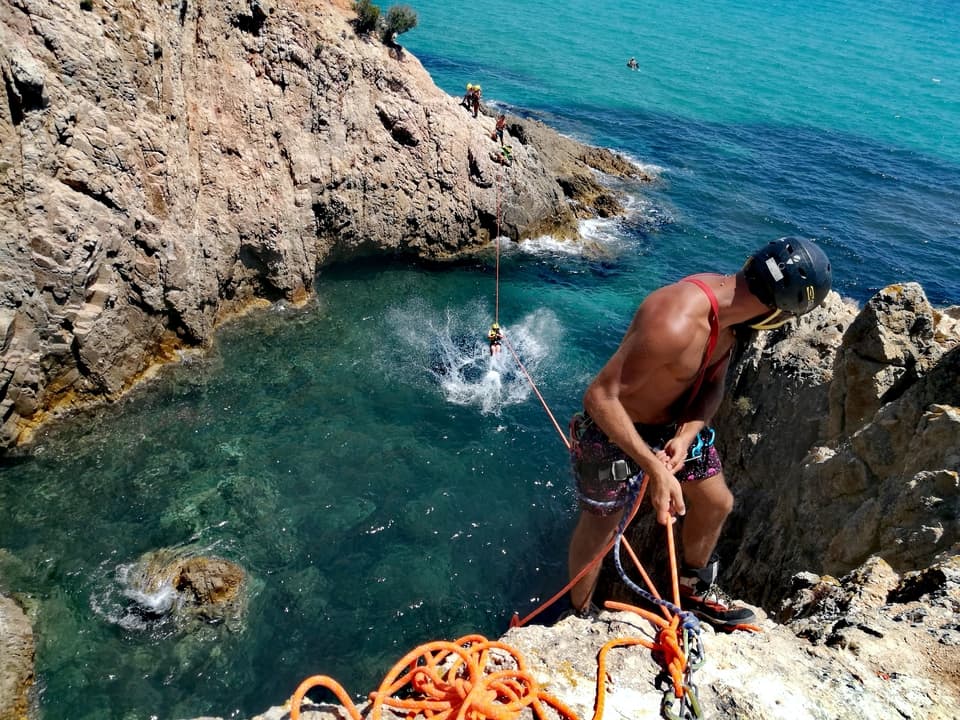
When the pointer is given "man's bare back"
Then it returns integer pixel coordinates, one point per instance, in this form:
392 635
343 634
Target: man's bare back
661 353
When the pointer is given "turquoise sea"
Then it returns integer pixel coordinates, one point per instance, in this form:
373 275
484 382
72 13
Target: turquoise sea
383 482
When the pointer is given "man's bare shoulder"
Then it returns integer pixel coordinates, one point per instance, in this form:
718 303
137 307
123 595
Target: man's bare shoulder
674 312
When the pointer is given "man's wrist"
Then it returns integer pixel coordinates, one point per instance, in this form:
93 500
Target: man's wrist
689 430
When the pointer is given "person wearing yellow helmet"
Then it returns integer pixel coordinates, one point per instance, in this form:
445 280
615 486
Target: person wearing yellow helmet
494 337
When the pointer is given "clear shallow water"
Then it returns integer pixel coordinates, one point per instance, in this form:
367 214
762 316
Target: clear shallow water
380 484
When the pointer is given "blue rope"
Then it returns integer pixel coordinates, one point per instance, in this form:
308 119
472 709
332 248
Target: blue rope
688 620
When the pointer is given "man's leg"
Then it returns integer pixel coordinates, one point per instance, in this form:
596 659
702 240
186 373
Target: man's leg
709 503
589 537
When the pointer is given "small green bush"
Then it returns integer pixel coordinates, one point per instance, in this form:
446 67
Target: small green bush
86 5
400 18
368 16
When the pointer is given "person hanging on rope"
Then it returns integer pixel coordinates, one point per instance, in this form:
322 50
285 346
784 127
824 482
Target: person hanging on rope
494 337
648 412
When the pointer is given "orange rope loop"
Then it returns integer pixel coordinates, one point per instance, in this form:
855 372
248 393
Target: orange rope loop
602 668
469 679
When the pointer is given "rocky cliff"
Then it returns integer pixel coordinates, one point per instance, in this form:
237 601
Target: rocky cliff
165 165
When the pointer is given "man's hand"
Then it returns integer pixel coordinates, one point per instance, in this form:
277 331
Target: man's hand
674 453
665 495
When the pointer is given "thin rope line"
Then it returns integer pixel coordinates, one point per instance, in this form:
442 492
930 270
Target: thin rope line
496 303
533 385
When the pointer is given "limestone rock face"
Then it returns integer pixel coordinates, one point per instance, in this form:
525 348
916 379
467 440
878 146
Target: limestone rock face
16 660
890 344
841 441
163 166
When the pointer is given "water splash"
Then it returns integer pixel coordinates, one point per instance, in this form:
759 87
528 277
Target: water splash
454 351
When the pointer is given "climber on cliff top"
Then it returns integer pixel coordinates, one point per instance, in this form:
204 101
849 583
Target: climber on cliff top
648 412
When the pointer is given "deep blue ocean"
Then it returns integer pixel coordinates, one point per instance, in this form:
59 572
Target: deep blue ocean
382 481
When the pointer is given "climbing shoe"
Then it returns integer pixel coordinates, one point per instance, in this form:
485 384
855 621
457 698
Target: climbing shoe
700 595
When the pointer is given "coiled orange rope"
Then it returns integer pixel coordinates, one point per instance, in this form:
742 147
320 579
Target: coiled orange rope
450 680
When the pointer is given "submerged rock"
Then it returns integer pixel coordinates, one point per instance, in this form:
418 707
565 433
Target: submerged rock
191 591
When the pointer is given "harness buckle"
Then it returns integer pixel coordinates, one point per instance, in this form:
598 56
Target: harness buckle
620 470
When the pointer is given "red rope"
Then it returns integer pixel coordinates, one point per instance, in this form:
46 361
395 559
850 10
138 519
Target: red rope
534 386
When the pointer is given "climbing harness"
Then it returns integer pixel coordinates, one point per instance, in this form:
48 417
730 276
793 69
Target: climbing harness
701 446
494 337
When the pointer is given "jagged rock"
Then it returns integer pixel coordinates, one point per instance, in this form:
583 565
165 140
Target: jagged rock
16 660
191 590
162 167
891 343
808 500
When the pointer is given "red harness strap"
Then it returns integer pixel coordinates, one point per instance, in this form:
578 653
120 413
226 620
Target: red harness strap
711 343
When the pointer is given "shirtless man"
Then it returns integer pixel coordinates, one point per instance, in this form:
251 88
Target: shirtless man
649 411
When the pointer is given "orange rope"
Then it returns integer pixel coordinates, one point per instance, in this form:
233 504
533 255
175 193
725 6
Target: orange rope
672 552
643 573
602 668
321 681
450 680
516 622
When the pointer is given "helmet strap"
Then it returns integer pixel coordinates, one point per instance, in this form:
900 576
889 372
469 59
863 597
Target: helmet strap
775 319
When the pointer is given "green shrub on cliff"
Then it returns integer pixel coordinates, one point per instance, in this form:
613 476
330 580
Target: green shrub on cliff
400 18
368 16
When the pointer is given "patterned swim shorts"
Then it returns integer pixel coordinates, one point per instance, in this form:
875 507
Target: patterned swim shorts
602 469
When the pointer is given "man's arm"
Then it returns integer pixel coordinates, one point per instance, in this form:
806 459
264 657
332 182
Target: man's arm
697 416
637 358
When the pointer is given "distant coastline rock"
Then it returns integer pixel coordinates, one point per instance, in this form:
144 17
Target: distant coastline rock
165 167
16 660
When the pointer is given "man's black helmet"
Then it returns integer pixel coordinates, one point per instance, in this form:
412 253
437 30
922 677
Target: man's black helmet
791 274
